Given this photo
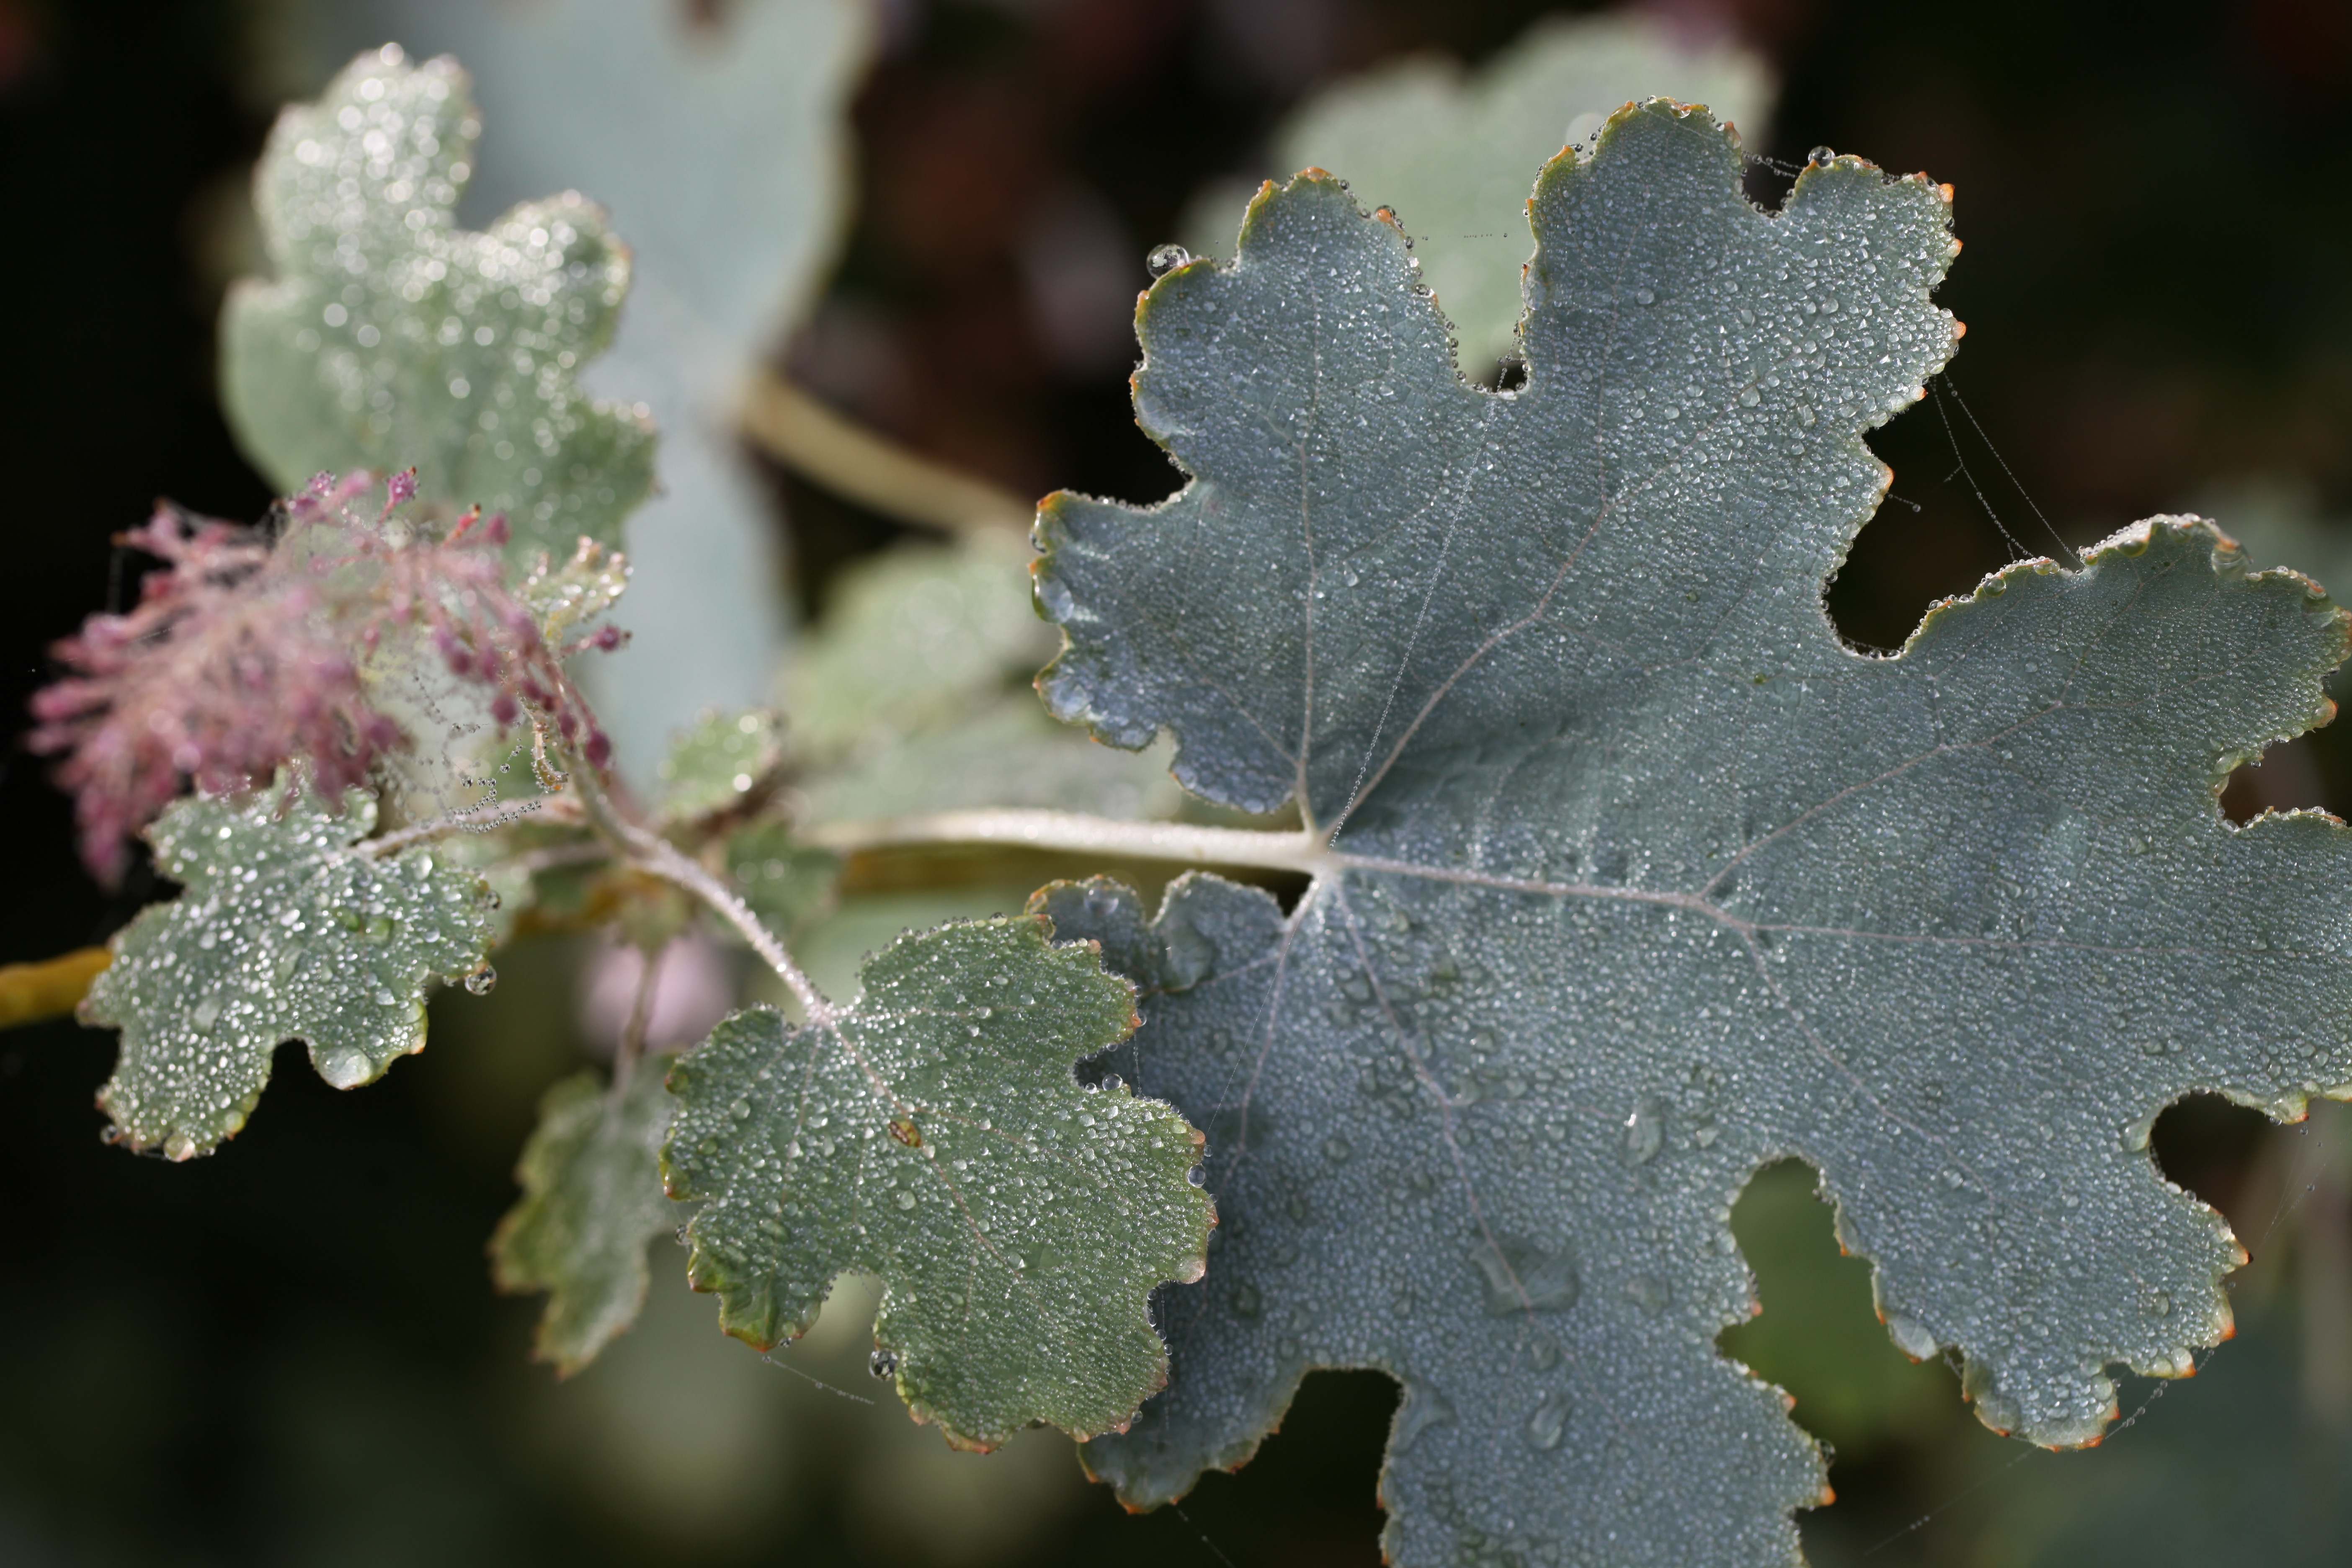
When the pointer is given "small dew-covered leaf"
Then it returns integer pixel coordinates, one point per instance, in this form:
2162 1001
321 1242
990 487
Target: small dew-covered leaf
786 883
392 338
933 1133
720 761
1629 878
283 929
592 1199
1454 154
566 597
718 136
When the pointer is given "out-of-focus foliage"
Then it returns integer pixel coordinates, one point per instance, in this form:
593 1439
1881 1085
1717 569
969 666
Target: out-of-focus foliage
719 763
391 338
913 695
1452 153
591 1177
715 137
1817 1336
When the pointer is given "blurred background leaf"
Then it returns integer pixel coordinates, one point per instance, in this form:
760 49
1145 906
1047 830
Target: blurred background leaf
1453 155
715 137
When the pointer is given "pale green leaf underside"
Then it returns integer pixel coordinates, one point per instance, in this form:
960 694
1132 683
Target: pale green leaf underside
912 695
282 931
1641 879
934 1134
911 639
392 339
592 1199
1453 155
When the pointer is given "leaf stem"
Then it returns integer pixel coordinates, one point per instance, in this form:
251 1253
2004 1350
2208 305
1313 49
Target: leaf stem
1041 830
651 853
51 988
872 470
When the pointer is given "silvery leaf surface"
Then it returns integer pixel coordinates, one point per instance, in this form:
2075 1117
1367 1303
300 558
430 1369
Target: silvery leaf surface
1629 878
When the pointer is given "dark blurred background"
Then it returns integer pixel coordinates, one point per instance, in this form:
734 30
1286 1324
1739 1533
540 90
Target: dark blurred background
290 1352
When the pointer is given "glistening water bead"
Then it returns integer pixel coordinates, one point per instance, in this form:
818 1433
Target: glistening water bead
1166 259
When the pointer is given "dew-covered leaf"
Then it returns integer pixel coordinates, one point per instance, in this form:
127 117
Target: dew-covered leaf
592 1199
1637 879
392 338
933 1133
1453 153
718 138
2253 1461
283 929
718 762
567 594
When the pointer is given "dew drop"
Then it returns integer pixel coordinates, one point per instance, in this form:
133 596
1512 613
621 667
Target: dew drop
882 1364
483 981
1646 297
1645 1131
1548 1423
1516 1276
1819 155
1649 1292
344 1070
1166 259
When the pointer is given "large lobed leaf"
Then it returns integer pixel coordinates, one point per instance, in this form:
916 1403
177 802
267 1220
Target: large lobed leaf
591 1178
1453 151
933 1133
1630 879
283 930
392 338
